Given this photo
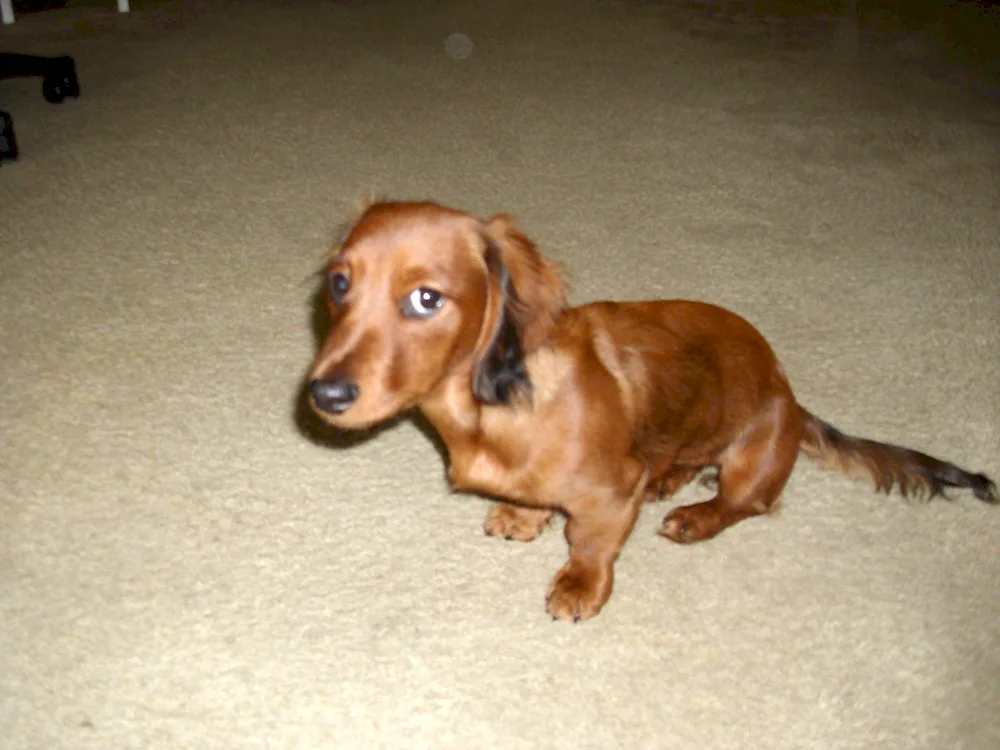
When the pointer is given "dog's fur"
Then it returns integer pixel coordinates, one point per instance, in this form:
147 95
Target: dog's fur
583 410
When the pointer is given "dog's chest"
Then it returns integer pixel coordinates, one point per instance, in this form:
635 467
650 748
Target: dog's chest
484 470
501 453
481 469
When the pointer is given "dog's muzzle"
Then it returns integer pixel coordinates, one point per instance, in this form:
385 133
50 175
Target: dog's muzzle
334 396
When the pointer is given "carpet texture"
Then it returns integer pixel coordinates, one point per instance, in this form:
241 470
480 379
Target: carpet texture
189 561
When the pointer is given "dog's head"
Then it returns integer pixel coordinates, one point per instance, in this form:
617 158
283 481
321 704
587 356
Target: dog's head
420 293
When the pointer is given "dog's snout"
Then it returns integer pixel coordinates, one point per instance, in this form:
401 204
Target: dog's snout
333 396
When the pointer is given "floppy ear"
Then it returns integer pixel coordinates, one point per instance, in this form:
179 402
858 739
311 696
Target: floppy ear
499 373
538 294
526 298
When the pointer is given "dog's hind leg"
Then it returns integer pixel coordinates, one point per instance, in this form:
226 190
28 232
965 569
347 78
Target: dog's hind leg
753 471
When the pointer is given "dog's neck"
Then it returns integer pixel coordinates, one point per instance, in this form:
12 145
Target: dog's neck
454 411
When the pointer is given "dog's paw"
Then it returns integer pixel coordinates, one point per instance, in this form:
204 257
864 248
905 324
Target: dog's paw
512 522
577 593
691 523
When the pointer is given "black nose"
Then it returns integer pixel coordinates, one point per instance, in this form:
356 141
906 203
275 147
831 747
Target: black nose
333 396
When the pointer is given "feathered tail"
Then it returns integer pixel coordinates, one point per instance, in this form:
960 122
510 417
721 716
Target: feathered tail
912 473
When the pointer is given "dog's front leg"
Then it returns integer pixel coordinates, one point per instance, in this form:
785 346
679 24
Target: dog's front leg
596 530
508 521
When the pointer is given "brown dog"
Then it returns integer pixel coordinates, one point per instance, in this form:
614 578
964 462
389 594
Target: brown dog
584 410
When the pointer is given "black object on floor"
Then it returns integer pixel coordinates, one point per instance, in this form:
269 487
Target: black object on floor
8 143
58 82
33 6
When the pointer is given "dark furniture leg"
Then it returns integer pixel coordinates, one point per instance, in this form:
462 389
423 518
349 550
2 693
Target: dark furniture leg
58 82
8 143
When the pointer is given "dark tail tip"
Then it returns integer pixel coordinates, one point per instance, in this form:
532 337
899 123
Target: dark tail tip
984 489
943 474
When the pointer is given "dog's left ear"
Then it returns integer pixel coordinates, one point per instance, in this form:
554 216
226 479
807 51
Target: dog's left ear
500 374
525 300
539 293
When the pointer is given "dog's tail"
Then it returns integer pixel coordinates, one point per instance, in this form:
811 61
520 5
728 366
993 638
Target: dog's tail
914 474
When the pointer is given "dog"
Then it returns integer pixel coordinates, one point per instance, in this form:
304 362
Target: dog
588 410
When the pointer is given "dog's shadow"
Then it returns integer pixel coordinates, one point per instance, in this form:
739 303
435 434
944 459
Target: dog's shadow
313 428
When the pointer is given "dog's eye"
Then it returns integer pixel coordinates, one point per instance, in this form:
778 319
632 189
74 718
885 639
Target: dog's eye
339 286
421 303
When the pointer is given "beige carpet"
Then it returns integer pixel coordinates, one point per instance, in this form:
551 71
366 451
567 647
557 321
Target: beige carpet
187 561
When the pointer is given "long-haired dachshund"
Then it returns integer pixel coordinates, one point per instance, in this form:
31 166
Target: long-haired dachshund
583 410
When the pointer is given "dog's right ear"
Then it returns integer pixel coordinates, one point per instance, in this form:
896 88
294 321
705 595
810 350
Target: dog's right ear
499 373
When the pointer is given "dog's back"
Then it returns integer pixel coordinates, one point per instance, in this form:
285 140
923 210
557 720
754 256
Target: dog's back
694 373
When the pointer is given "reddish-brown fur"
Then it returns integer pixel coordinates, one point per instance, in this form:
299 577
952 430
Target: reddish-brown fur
582 410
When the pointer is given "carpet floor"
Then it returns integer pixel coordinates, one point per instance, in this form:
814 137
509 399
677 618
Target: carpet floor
187 560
